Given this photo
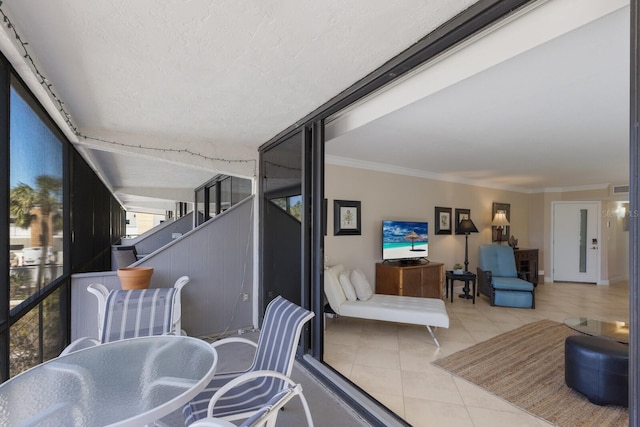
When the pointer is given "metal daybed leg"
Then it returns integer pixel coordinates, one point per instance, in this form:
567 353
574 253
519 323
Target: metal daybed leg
433 336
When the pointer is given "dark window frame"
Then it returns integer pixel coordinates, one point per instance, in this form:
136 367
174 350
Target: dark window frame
36 300
205 189
107 220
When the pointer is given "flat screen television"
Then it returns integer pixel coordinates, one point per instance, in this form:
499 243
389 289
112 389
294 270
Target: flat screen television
405 240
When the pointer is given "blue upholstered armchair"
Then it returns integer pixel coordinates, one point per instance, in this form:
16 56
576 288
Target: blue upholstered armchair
499 280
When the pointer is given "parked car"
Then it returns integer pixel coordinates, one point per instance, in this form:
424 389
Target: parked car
33 256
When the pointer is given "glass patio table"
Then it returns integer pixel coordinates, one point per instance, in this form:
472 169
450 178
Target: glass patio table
130 382
618 331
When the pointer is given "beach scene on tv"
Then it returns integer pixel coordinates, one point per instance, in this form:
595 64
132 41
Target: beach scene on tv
404 239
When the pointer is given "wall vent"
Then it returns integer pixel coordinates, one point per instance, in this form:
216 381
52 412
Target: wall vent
619 190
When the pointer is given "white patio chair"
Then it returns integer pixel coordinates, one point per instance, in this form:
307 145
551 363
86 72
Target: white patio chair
238 395
134 313
266 416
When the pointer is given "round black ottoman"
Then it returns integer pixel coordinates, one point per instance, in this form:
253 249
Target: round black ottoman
598 368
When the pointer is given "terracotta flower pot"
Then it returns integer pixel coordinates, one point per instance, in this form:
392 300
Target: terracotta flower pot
135 277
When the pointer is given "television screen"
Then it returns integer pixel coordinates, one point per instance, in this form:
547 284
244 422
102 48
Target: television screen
404 240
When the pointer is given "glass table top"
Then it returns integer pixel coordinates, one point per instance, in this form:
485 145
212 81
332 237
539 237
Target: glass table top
130 382
618 331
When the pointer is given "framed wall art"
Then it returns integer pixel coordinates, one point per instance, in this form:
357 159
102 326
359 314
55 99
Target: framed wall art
443 220
460 215
346 218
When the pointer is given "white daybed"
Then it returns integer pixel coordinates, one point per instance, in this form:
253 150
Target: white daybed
391 308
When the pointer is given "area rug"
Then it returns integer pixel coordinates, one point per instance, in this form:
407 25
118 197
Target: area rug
526 367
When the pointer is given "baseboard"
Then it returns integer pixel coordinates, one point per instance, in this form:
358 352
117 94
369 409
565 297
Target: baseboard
605 282
623 278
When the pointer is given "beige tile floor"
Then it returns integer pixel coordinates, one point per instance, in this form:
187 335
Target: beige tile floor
391 361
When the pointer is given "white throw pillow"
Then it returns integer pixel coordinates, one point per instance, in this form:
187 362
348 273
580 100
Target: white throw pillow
347 286
361 284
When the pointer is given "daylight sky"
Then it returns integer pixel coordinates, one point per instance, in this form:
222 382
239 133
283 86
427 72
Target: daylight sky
34 149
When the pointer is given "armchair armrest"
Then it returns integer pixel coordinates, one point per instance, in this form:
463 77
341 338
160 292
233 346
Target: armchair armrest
526 275
79 344
230 340
237 340
212 422
250 376
484 282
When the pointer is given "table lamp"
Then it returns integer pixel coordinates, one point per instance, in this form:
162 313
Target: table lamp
500 221
466 226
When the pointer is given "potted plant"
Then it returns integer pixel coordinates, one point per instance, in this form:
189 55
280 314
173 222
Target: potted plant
135 277
458 269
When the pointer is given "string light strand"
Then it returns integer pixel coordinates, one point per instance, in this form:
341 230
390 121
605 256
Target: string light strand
171 150
41 78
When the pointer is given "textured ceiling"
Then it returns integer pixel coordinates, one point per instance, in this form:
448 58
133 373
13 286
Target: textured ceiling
206 80
173 92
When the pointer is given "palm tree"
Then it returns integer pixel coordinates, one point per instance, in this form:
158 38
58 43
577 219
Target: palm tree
47 198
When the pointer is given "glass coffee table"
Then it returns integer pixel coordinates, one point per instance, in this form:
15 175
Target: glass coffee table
618 331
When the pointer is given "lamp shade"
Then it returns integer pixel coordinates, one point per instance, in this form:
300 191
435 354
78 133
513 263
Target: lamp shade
467 226
500 219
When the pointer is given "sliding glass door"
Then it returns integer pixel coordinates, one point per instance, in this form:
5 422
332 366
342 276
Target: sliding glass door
282 214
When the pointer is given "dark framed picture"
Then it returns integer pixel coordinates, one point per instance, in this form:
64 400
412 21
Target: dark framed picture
503 208
460 215
443 220
346 218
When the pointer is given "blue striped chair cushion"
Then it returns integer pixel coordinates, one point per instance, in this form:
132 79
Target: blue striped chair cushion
247 397
137 313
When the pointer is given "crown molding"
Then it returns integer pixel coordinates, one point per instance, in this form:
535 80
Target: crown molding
380 167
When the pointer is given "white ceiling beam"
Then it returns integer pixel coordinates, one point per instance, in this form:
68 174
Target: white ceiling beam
519 33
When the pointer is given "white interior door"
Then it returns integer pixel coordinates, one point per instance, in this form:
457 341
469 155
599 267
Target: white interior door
576 238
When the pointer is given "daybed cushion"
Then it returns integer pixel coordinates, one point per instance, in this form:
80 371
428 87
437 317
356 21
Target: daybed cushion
347 287
361 284
511 284
394 308
332 289
391 308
